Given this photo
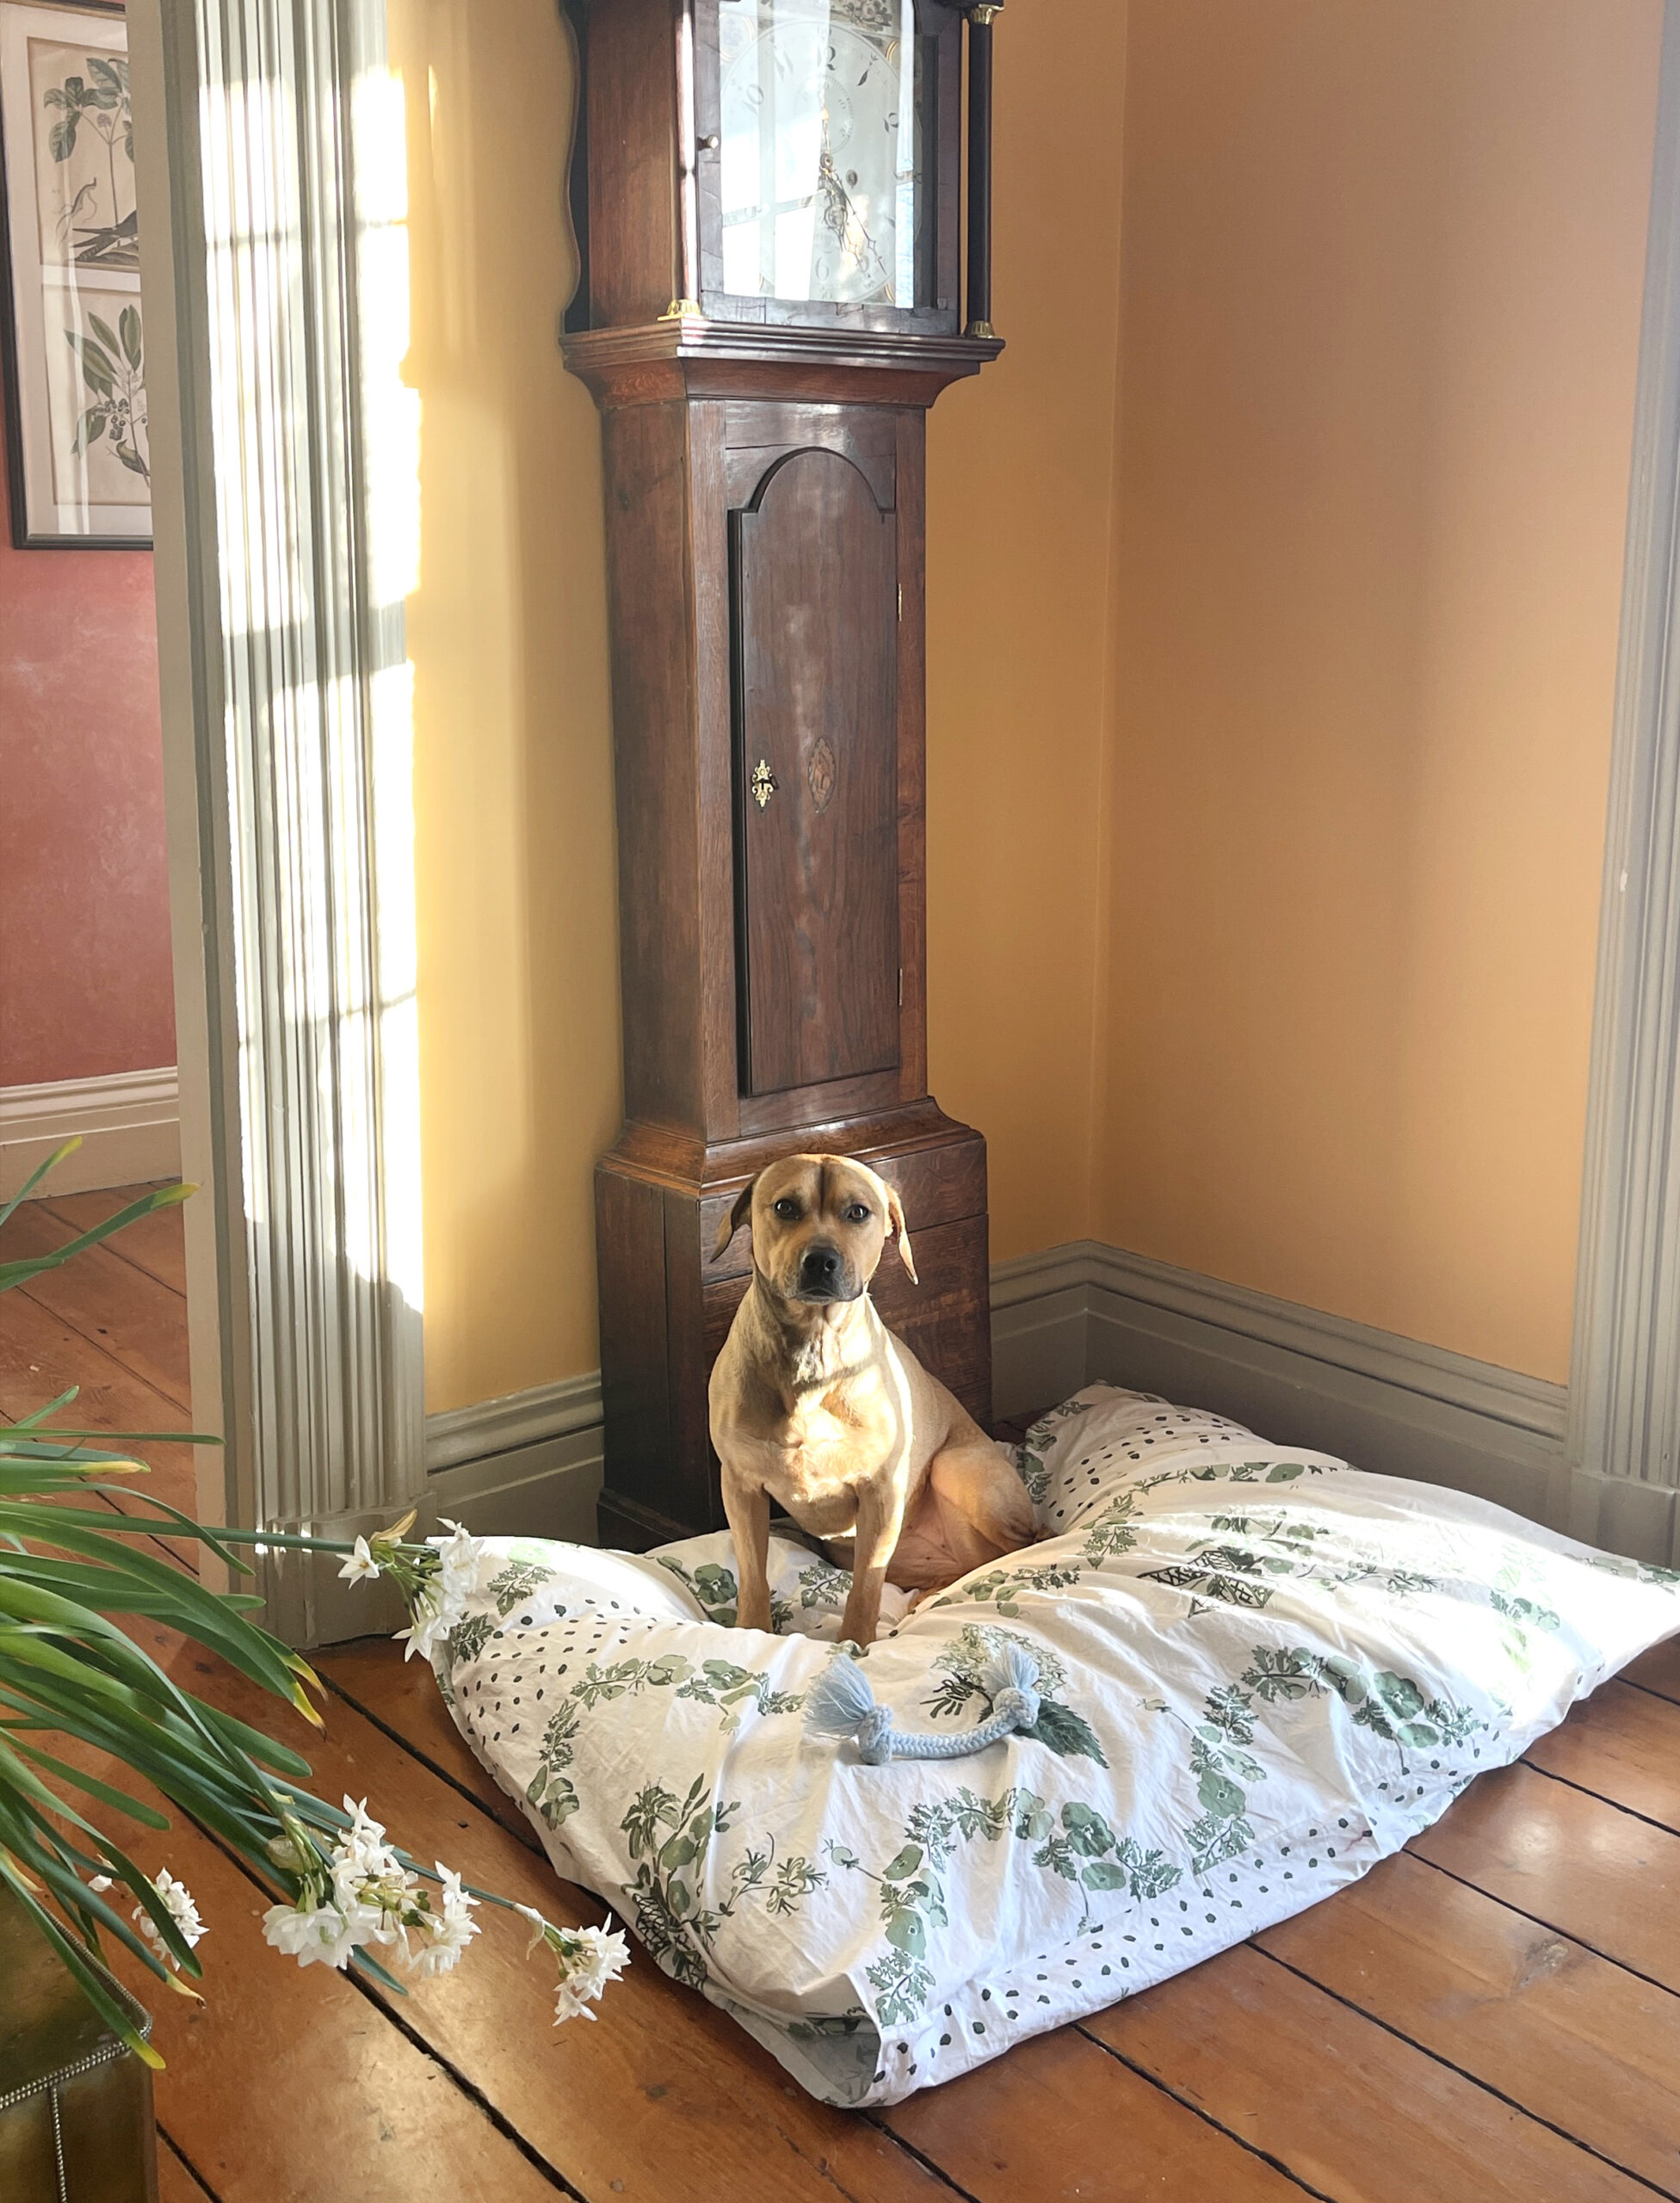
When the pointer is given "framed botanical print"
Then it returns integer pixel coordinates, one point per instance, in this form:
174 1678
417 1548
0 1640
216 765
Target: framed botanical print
70 318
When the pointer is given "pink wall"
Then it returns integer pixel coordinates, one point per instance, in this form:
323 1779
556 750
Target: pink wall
85 984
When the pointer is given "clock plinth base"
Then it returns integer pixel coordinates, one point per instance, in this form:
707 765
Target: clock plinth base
666 1307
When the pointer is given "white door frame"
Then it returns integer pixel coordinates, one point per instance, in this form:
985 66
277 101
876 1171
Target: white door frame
1622 1447
286 734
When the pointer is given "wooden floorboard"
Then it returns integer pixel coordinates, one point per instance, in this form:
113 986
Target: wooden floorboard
1604 1878
177 2181
1346 2108
1567 2036
1060 2117
1623 1744
153 1243
122 1310
1657 1670
41 1356
1493 2013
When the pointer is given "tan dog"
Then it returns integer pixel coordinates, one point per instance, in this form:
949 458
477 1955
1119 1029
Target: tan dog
816 1404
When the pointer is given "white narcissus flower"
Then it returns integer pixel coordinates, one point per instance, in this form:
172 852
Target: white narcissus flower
436 1612
445 1932
360 1566
316 1936
178 1902
362 1845
590 1957
441 1601
99 1884
458 1555
370 1886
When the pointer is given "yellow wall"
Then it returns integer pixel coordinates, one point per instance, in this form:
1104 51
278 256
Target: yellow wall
1381 293
1020 464
1272 599
517 912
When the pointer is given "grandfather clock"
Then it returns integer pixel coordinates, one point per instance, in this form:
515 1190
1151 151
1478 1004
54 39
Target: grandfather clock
768 199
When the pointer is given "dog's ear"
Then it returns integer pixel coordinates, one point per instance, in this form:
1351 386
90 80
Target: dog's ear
895 1217
736 1217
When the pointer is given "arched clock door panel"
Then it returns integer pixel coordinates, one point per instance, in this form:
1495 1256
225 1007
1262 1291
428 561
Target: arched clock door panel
814 678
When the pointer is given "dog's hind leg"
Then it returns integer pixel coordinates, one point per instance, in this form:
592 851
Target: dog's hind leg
974 1508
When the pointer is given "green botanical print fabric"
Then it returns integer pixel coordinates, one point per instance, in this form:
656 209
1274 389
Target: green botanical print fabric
1636 1572
1078 1844
509 1585
673 1917
715 1590
1259 1671
960 1694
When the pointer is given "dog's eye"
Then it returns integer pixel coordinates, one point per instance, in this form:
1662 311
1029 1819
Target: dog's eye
787 1210
857 1213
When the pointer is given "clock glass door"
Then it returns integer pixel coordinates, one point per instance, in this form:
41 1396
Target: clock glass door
826 131
815 583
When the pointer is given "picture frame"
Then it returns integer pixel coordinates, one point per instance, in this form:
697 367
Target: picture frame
72 328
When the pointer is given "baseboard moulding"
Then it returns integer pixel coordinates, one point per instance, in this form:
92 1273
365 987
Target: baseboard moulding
531 1463
1085 1313
128 1123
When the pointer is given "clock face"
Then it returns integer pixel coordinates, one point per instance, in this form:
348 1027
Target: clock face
821 150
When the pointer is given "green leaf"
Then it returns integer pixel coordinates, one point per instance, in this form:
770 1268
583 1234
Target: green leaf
1087 1830
33 1421
136 1808
1399 1694
89 429
1067 1733
1343 1677
19 1273
61 138
39 1172
1104 1874
901 1868
1219 1796
105 333
107 85
128 323
906 1932
97 372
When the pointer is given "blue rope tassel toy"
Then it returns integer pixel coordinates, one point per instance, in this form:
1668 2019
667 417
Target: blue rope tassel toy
841 1704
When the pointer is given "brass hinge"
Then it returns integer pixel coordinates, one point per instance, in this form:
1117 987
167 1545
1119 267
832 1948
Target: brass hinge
901 986
901 599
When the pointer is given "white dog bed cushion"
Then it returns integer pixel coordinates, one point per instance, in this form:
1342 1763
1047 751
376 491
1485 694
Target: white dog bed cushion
1260 1672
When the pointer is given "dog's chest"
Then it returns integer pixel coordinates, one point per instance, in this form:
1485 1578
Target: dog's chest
814 1463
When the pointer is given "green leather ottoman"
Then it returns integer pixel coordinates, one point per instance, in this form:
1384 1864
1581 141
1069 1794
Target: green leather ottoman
76 2116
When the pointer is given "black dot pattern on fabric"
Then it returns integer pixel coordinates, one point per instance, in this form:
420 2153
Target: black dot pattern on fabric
1081 1485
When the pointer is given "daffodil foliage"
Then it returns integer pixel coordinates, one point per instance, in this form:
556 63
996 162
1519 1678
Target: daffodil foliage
96 1737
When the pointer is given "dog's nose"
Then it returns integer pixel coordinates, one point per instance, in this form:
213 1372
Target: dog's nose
820 1265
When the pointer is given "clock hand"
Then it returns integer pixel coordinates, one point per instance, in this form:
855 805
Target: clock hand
840 215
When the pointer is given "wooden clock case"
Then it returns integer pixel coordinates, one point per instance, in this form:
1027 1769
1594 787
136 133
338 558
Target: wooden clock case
764 484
